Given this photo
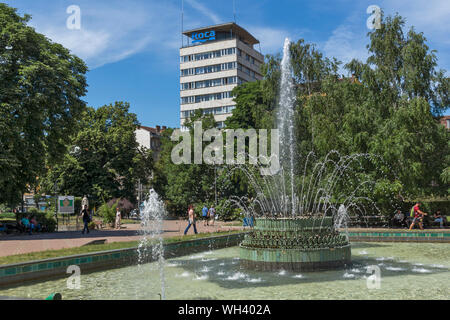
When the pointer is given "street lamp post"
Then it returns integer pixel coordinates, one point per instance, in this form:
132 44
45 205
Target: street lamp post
56 206
215 185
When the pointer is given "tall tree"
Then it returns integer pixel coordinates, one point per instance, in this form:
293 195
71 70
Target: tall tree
104 159
41 85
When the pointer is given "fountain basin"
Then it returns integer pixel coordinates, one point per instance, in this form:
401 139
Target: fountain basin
295 244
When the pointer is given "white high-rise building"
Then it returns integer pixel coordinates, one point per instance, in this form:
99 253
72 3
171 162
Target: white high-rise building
216 60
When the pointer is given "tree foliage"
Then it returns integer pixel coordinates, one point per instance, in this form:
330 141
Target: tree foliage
389 109
41 85
104 159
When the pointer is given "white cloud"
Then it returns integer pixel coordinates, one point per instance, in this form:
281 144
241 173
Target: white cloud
271 39
204 10
114 31
345 44
431 17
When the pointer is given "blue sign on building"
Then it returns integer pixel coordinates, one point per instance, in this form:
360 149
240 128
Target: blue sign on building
201 37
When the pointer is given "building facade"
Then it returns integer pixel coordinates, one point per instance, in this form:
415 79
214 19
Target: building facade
445 121
216 60
150 138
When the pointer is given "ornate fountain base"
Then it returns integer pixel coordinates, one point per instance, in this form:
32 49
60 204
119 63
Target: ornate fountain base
300 244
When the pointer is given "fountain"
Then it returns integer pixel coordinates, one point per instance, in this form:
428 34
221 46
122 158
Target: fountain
295 230
152 228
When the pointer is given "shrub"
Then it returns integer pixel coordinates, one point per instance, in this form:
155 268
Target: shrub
7 215
108 213
226 212
50 222
91 225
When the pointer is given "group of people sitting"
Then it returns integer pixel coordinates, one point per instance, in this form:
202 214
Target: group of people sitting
416 216
29 224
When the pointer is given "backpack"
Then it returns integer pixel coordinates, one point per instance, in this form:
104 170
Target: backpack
411 214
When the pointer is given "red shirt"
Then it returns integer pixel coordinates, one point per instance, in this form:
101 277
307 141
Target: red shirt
416 212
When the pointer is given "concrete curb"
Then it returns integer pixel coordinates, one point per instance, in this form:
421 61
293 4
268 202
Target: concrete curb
21 273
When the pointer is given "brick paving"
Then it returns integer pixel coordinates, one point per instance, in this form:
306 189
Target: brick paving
24 243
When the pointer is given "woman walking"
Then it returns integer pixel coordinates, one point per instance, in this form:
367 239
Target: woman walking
118 218
212 215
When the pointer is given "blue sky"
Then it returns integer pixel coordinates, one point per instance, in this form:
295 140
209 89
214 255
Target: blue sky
132 47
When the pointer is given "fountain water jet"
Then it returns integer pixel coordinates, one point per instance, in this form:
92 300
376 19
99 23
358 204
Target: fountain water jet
152 217
292 238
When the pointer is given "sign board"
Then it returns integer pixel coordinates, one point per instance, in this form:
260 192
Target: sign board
66 204
201 37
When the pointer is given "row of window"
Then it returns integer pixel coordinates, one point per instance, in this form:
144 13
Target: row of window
247 71
248 57
217 54
220 125
206 97
208 69
211 83
207 55
218 68
213 111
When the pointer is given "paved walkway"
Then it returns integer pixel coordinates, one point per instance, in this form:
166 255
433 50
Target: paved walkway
20 244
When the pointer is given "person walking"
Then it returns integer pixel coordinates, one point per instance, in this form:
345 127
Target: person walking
191 217
205 214
86 219
118 218
418 216
212 214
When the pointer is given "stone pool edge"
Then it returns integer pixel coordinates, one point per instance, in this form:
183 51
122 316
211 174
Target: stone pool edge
438 236
21 273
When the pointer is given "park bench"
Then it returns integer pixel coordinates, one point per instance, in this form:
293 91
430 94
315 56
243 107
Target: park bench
368 221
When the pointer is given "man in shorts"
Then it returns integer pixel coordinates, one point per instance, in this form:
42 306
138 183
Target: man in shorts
205 215
418 217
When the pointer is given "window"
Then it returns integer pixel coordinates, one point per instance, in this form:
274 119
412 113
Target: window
230 109
448 123
187 100
207 55
206 97
220 125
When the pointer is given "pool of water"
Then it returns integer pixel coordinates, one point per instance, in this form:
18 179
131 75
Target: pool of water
408 271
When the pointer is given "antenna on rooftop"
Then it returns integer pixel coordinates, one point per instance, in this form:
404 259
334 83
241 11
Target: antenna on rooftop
182 22
234 10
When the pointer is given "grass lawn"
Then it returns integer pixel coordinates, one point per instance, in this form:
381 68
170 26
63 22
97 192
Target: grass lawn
130 221
97 248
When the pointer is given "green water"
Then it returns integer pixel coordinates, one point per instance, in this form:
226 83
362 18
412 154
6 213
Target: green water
408 271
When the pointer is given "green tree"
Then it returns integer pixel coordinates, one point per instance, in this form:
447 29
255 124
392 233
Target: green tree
388 109
104 160
41 85
184 184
